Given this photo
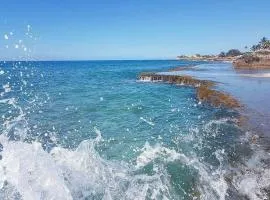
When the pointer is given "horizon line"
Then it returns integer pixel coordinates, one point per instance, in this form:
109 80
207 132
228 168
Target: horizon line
85 60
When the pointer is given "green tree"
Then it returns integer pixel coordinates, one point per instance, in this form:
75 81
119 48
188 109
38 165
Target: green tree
254 47
233 52
266 45
222 54
263 40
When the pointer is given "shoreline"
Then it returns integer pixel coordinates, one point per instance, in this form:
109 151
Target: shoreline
211 59
251 121
257 60
204 88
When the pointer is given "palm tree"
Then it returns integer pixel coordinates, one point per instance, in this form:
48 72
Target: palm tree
255 47
222 54
266 45
263 40
233 52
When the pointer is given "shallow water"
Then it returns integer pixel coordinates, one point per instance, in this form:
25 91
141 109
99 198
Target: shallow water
89 130
251 87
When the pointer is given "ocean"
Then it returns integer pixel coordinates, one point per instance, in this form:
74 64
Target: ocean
91 130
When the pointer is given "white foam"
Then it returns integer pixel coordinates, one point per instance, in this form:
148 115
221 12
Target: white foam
254 177
257 75
212 184
73 174
81 173
31 171
151 153
7 88
148 122
145 79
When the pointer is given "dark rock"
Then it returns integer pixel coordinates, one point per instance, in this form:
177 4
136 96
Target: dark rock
252 61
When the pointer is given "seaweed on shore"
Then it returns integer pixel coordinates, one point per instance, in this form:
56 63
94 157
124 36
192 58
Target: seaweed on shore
204 90
216 98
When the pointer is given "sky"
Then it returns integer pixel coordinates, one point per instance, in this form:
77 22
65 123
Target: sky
128 29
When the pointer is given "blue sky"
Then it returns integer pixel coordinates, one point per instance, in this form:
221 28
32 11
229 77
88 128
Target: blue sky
141 29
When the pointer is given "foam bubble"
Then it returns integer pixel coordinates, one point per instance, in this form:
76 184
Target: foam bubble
7 88
148 122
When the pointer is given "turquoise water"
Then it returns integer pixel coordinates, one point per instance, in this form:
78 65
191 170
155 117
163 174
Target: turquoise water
90 130
250 87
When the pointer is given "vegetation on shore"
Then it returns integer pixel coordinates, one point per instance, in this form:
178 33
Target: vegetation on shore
264 43
230 53
222 56
257 58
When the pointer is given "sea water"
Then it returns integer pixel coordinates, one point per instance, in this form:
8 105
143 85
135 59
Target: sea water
91 130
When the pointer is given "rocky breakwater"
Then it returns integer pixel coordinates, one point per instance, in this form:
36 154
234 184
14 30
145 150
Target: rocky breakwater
205 91
256 60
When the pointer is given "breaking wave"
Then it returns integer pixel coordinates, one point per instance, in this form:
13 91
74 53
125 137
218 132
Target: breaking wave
207 163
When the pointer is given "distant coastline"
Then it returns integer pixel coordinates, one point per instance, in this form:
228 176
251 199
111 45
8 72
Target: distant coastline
257 58
229 56
206 58
208 91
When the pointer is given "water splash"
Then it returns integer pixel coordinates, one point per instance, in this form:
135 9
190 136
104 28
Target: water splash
201 158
